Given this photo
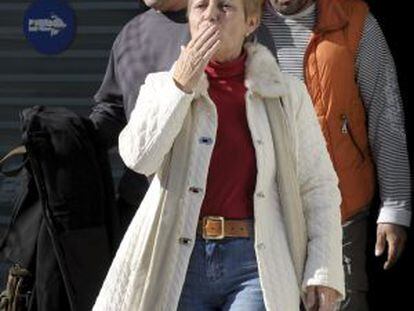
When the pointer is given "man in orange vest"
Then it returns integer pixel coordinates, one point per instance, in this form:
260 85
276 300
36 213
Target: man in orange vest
338 49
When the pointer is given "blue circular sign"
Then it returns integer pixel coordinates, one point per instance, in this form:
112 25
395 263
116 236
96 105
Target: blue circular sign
49 25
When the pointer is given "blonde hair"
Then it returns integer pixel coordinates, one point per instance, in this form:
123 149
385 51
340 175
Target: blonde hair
251 7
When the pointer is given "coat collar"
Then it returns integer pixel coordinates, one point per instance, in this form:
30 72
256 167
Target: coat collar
263 75
331 16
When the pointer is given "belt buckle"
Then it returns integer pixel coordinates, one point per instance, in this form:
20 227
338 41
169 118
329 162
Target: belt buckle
213 237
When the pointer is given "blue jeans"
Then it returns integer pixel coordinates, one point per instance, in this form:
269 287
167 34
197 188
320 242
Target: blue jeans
222 275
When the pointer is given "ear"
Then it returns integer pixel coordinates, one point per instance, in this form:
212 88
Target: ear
252 22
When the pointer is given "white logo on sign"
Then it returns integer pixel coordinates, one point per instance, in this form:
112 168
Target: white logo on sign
54 25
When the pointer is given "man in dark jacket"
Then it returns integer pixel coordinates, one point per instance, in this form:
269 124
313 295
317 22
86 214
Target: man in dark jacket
150 42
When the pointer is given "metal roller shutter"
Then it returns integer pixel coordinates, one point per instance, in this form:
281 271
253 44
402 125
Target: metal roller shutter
70 79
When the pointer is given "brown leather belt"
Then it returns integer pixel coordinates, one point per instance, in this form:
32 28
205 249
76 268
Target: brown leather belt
218 228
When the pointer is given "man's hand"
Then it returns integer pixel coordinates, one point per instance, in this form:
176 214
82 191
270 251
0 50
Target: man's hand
195 57
395 236
321 298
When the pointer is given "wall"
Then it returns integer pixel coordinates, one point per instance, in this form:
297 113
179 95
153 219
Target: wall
70 79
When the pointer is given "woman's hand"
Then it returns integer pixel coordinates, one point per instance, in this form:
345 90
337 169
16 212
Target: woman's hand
321 298
195 57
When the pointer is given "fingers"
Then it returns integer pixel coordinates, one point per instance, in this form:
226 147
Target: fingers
202 37
200 50
395 247
203 57
197 37
310 302
395 236
380 244
392 253
200 33
194 58
209 54
211 31
328 299
209 43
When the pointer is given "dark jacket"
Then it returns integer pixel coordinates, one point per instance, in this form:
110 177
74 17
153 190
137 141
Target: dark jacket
148 43
65 227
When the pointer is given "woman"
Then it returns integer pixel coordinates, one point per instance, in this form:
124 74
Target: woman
243 210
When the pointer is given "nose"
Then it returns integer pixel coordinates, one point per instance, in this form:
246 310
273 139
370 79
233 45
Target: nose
212 13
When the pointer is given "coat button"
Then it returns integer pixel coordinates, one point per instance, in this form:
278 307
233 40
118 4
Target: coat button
185 241
261 246
195 189
259 141
260 194
205 140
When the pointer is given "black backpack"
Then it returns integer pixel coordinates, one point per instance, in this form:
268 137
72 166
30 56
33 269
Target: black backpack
64 228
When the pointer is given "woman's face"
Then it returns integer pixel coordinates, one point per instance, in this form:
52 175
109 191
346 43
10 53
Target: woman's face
229 17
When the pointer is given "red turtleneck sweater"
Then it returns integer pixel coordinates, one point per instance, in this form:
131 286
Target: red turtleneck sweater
232 173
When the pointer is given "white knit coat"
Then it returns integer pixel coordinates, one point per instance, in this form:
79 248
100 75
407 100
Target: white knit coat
166 135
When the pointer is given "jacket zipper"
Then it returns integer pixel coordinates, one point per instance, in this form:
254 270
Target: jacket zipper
346 129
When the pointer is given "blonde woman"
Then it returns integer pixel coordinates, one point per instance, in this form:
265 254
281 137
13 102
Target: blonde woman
243 210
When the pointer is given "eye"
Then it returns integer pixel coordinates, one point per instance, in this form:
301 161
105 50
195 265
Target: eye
200 5
225 6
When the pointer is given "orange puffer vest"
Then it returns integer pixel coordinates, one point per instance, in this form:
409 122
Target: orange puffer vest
331 80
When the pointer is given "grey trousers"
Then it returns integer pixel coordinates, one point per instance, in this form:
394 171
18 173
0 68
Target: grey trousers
354 260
